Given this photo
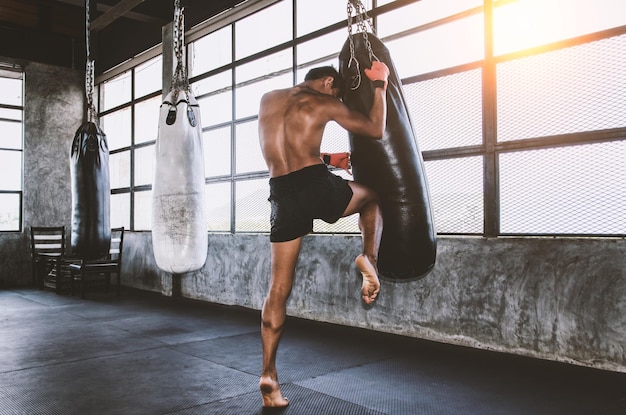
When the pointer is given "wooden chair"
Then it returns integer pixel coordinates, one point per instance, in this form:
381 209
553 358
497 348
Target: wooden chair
59 278
95 272
47 244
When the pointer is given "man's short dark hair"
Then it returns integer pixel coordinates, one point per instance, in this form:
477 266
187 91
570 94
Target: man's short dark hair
324 71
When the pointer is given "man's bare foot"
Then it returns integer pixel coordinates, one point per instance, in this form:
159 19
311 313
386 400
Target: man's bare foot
271 394
371 285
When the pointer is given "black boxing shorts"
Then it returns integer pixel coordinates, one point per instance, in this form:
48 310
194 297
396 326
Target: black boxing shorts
303 195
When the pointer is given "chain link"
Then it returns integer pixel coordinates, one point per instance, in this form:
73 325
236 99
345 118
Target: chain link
180 81
92 113
356 10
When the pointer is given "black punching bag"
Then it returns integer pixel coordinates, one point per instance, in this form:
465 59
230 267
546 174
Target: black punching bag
89 170
393 167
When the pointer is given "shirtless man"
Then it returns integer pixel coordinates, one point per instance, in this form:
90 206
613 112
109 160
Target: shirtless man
291 125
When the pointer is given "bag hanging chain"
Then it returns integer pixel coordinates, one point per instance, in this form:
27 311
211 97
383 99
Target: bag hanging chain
180 81
357 8
92 113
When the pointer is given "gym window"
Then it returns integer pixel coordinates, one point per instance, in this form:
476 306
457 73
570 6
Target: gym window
11 148
519 109
129 105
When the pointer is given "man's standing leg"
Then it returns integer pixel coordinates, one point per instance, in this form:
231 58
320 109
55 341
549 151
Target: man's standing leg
284 257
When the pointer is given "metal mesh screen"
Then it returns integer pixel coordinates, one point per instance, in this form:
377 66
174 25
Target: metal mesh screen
335 139
218 206
252 209
248 156
581 88
568 190
456 192
446 111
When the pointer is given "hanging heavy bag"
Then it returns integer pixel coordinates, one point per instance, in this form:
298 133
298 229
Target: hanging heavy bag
179 230
89 171
393 167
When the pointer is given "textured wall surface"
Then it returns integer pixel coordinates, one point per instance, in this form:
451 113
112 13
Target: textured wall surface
53 110
558 299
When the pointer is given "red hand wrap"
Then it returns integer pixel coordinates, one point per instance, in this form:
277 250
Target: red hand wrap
378 72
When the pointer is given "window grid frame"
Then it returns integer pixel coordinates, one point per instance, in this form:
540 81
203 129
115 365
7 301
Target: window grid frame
20 192
490 149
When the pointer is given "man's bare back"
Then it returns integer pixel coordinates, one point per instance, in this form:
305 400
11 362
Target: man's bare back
292 121
291 128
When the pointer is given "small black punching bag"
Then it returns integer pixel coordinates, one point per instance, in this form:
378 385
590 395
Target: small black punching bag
89 170
393 167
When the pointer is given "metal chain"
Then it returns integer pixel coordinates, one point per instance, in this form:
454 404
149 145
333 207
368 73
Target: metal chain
92 113
357 8
180 80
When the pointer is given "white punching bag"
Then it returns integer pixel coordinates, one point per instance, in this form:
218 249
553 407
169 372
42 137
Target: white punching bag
179 231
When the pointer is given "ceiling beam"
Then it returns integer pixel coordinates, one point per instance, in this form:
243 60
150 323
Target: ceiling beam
104 8
114 13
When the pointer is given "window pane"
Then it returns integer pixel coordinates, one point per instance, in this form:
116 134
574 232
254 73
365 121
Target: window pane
264 67
218 82
270 72
445 46
248 156
261 31
10 212
216 109
456 192
11 136
327 45
211 51
147 120
120 210
216 148
568 190
144 165
314 15
419 13
11 91
217 196
248 97
143 210
11 177
116 126
119 169
10 114
149 77
566 91
527 23
116 91
252 207
447 111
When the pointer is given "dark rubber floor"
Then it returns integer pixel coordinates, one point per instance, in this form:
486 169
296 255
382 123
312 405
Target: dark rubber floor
143 353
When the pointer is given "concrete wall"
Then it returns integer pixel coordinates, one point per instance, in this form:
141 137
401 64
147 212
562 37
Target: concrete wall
554 298
53 110
559 299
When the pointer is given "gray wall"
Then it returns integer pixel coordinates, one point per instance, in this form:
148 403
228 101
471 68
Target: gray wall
53 102
561 299
557 299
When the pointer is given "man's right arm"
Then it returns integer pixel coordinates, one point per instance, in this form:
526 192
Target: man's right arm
373 124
